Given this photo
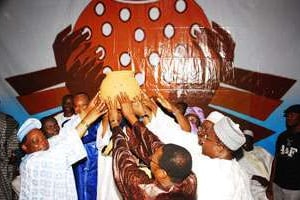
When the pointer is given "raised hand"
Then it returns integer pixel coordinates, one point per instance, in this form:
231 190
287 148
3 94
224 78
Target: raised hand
165 103
126 106
112 112
182 121
98 110
148 102
138 107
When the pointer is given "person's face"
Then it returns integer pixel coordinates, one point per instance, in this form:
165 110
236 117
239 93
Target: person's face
51 128
80 104
210 143
67 104
35 141
193 119
205 127
292 119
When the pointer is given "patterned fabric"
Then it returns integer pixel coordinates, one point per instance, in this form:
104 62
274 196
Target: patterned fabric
48 174
8 143
133 183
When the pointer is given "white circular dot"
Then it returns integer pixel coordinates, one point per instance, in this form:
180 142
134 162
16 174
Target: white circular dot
195 27
125 14
125 59
154 59
106 29
154 13
140 78
101 52
107 69
100 9
180 6
139 35
169 31
87 30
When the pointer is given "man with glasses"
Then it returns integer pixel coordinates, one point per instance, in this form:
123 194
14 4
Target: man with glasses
219 176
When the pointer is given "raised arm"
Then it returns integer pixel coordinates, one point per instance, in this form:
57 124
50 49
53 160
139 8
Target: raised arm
125 165
98 108
150 142
182 121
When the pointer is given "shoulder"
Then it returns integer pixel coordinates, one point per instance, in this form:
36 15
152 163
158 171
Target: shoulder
58 115
282 135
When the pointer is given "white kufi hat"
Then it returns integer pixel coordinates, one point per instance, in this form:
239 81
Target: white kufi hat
229 133
27 126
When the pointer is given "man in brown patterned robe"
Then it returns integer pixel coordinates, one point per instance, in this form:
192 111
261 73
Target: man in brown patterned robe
170 164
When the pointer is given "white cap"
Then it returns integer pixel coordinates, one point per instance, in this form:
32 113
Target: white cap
248 132
27 126
229 133
215 116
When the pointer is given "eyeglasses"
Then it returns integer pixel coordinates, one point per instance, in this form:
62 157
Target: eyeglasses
204 137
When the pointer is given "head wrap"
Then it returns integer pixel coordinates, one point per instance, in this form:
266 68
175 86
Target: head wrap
215 116
229 133
27 126
195 111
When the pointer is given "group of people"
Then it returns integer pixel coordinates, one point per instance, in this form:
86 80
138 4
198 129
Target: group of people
150 148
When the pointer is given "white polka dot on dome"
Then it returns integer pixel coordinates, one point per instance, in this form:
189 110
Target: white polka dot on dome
169 31
107 69
180 6
140 77
125 59
125 14
154 13
195 27
154 59
106 29
139 35
101 52
87 30
100 9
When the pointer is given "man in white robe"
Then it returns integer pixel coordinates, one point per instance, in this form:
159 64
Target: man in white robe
257 163
46 170
106 186
217 178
